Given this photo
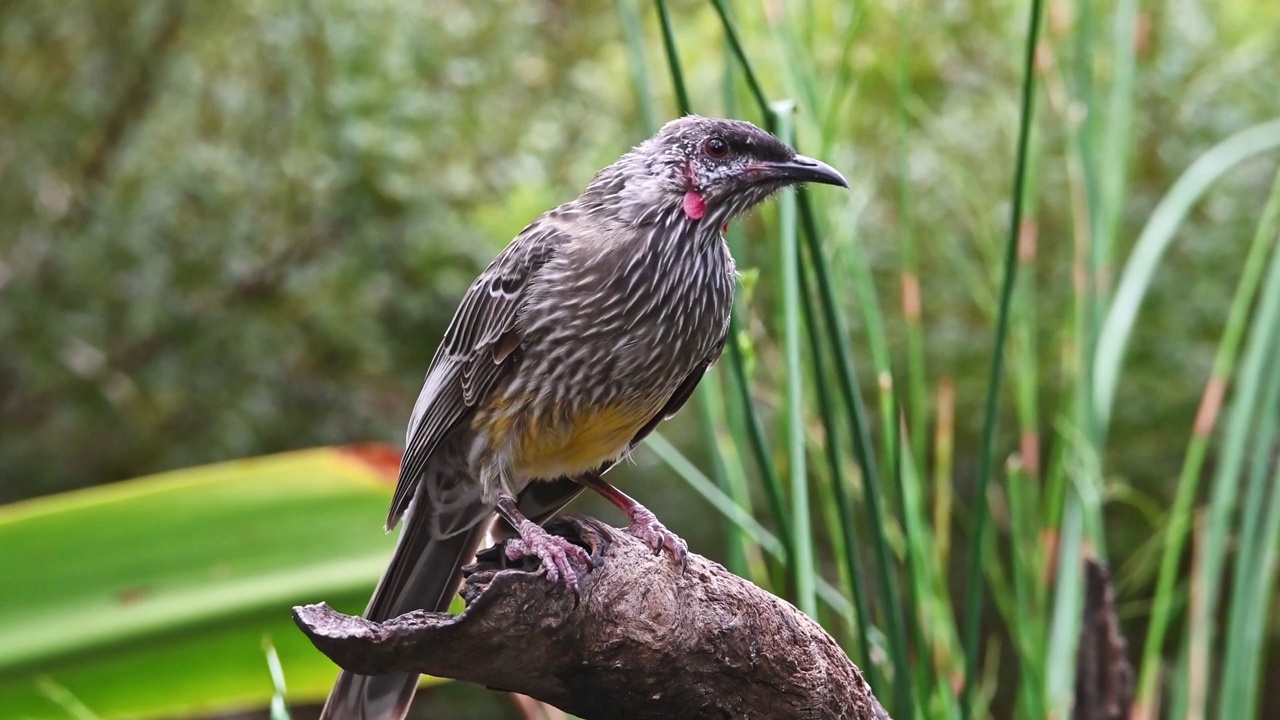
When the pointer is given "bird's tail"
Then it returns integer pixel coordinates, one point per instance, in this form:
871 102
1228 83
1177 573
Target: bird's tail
424 574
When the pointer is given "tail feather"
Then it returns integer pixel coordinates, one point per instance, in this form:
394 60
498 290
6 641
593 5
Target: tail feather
370 697
424 574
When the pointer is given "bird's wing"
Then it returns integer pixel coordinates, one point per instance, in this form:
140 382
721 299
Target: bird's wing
474 351
683 392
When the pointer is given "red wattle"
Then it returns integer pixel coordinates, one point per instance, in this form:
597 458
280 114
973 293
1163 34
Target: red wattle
694 207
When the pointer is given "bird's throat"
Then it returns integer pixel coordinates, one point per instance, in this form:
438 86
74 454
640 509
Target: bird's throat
694 207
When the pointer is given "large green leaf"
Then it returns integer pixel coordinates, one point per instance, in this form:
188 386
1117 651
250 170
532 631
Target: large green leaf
153 597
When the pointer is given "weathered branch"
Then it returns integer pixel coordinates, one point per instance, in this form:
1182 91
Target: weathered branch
645 639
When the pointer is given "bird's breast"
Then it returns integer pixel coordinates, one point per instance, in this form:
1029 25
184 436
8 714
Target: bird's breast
577 441
608 339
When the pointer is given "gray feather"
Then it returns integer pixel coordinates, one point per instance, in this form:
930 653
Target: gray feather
463 368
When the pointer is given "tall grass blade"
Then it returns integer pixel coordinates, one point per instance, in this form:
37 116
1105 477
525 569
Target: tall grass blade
802 564
1028 557
1255 566
633 38
1114 158
673 59
1257 364
727 470
753 82
770 543
912 299
856 413
730 510
986 457
1155 238
1180 515
922 612
848 549
1068 606
278 710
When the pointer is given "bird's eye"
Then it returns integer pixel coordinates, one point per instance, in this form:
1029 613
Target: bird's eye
715 148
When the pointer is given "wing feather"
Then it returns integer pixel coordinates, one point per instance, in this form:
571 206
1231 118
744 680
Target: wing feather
681 395
678 400
466 365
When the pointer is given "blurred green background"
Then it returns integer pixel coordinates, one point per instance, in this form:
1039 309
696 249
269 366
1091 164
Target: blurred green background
236 228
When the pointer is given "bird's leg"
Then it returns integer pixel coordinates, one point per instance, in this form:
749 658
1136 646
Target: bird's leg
552 551
644 524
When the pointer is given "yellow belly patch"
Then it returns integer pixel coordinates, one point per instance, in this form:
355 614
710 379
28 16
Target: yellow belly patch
548 447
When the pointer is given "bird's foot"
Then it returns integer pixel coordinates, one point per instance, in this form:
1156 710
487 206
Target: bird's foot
554 552
646 526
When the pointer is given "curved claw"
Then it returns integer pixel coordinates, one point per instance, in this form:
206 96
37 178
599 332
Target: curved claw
646 526
553 553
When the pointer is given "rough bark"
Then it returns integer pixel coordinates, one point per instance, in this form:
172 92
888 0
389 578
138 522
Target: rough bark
1104 676
644 639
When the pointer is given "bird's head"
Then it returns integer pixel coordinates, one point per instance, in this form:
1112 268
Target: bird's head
708 168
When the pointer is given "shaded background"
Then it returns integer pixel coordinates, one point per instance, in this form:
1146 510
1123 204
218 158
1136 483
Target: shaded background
236 228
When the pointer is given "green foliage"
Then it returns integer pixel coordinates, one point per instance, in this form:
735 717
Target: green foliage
152 598
232 228
1076 176
238 227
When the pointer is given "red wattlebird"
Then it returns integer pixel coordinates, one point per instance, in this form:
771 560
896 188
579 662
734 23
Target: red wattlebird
592 327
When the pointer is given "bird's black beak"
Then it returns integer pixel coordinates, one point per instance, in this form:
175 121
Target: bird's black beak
803 169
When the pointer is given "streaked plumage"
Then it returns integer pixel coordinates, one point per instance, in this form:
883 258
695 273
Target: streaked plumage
590 328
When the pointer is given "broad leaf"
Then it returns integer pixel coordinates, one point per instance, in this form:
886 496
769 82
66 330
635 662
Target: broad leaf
154 597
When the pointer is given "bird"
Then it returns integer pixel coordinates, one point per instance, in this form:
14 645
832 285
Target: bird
590 328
